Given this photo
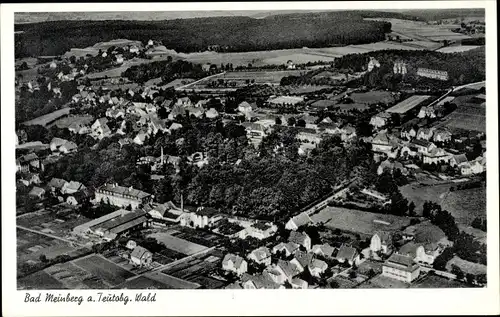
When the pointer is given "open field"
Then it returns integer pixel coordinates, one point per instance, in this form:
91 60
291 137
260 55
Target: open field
64 123
74 277
352 106
466 204
117 71
373 97
457 49
48 118
39 280
358 221
434 281
471 117
30 246
59 222
419 194
203 238
466 266
177 244
104 269
368 265
421 31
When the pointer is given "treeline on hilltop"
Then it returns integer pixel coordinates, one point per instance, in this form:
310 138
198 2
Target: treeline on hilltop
462 68
236 34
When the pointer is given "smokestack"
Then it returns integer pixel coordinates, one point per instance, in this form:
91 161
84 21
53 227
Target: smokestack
162 156
182 203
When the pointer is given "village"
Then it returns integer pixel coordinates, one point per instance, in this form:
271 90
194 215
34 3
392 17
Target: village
111 189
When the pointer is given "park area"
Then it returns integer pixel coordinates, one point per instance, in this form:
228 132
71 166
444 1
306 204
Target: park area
357 221
466 266
373 97
435 281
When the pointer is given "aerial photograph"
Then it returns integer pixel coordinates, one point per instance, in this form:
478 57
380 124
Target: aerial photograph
293 149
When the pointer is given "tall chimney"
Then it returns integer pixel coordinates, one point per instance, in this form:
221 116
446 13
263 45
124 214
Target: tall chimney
182 203
161 160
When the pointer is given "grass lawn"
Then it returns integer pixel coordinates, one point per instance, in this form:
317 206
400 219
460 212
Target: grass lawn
358 221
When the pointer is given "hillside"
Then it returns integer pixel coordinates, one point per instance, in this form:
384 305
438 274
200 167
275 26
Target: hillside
235 34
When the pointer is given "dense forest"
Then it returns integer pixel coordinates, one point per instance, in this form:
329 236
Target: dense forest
167 70
235 34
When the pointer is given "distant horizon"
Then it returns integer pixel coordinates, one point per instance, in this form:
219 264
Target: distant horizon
36 17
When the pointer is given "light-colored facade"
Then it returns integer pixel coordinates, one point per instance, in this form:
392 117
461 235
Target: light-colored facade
121 196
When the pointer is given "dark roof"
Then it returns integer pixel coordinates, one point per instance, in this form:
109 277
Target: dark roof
303 258
402 262
347 253
461 158
297 237
423 143
139 194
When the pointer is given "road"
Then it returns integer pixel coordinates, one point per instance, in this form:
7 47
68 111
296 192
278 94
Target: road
455 89
51 236
199 80
324 202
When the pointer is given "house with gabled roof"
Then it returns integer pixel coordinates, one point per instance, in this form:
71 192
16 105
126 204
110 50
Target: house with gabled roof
37 192
422 146
348 254
317 267
436 155
100 129
56 184
286 270
261 255
141 257
234 263
442 135
301 260
381 241
72 187
458 160
401 267
259 281
301 239
380 120
56 143
288 247
425 134
324 249
298 221
68 147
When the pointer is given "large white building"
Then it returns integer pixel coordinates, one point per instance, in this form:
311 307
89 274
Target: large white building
122 196
401 267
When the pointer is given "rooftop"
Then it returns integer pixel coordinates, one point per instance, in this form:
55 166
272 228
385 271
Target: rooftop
408 104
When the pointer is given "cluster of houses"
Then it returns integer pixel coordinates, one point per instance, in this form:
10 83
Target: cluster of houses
422 144
259 124
402 253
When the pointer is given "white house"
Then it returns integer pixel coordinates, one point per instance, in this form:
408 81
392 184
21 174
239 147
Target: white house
289 248
418 252
425 134
380 120
56 143
100 128
381 241
261 255
68 147
401 267
325 250
317 267
301 239
442 136
72 187
203 217
436 155
141 257
298 221
234 263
